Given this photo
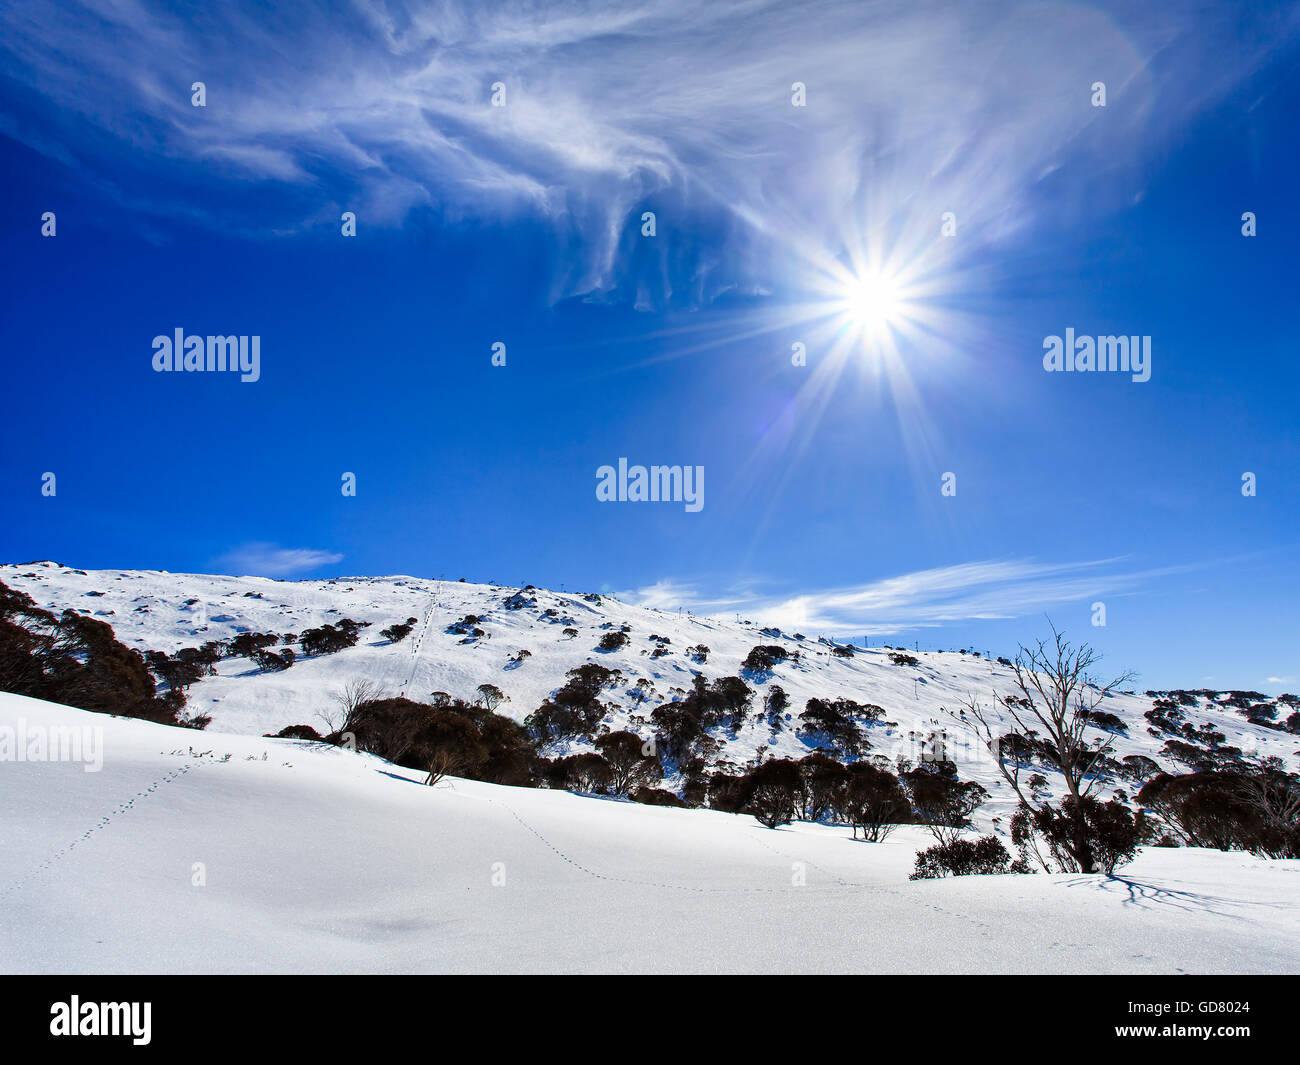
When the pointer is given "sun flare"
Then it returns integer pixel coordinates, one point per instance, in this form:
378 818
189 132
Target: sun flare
873 304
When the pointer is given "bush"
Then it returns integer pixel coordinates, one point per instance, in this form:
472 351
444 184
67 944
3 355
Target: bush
727 792
683 725
455 739
1138 767
612 641
1223 810
775 703
823 781
587 772
942 801
574 710
963 857
773 792
1082 835
395 633
250 644
77 660
904 660
764 658
297 732
834 720
874 801
467 626
178 672
1102 719
629 766
329 639
657 797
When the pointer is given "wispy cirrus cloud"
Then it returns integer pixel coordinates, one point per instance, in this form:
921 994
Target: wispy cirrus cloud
384 107
270 560
995 589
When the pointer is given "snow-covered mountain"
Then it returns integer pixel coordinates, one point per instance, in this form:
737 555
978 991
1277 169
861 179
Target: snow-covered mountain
560 631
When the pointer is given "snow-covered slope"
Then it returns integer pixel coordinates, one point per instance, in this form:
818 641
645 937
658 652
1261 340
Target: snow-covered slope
193 852
166 611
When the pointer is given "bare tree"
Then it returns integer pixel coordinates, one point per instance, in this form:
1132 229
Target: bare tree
1058 696
354 694
444 762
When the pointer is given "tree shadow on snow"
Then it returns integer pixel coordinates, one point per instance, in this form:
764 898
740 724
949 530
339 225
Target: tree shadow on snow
1148 894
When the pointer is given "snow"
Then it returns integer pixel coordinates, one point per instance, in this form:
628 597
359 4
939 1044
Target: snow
317 859
245 701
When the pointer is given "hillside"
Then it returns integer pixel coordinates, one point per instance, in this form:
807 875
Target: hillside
215 853
165 611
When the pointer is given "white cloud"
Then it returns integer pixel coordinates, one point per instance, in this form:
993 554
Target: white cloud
980 108
923 599
269 560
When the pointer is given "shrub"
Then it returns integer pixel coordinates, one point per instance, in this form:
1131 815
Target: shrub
775 703
395 633
1138 767
454 739
329 639
834 720
822 793
297 732
612 641
77 660
467 626
942 801
1082 835
579 772
763 658
657 797
271 662
726 792
874 801
682 725
629 765
773 792
962 857
900 659
1220 809
574 710
177 672
1102 719
249 644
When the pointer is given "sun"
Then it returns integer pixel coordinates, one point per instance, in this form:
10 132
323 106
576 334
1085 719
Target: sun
872 303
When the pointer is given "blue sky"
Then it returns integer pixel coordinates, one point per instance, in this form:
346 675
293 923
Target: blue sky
523 224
